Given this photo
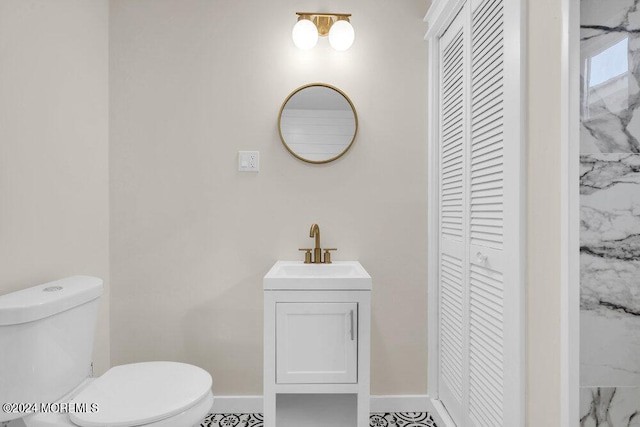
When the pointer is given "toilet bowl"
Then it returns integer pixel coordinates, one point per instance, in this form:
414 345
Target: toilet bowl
46 334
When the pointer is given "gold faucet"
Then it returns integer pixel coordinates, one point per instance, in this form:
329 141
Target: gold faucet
317 251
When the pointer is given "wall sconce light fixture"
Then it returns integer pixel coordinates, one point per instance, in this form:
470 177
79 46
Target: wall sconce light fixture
311 25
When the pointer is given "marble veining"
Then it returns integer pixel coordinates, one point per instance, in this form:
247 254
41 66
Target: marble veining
610 213
610 407
609 269
610 232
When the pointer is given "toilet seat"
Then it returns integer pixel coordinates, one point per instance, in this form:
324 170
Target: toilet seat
141 393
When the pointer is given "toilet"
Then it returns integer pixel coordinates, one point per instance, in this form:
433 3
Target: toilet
46 342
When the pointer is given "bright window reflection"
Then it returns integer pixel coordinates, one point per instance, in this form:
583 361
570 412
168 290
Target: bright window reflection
610 63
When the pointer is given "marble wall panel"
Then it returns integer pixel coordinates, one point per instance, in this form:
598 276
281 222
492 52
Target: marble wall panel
610 269
610 210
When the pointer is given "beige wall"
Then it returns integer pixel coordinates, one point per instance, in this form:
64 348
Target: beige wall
53 146
191 83
543 198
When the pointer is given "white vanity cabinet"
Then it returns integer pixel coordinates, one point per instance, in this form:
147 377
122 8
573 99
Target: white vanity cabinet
317 341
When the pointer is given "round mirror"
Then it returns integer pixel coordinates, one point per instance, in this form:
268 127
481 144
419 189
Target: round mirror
317 123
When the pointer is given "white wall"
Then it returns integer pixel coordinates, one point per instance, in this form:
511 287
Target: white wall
53 146
194 81
543 199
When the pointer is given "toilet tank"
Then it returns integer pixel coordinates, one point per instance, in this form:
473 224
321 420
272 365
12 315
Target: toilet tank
46 339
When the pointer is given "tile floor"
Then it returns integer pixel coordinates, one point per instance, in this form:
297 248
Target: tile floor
389 419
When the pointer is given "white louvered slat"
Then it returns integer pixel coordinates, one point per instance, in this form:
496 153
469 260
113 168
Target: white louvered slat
451 337
452 152
486 347
487 126
452 138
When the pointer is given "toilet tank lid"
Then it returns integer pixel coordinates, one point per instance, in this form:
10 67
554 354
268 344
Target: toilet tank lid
38 302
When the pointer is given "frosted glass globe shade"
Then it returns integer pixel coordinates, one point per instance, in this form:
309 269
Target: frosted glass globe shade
304 34
341 35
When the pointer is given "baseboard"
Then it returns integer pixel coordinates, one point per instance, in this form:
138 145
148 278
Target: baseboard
439 413
237 405
400 403
253 404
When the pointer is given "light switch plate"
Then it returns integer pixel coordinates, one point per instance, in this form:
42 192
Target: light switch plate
249 161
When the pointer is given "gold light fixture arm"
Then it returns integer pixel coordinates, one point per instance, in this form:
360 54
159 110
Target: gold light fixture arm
323 21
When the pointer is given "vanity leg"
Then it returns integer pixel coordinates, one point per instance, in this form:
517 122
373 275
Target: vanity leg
269 368
364 359
269 410
363 410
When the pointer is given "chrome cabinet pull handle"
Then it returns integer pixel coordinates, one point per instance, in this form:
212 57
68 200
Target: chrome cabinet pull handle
352 331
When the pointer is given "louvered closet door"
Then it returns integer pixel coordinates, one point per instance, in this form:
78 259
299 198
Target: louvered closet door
452 217
486 210
473 378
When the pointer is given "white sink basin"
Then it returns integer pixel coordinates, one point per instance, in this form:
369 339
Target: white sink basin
296 275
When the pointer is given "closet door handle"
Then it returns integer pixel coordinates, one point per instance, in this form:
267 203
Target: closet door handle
481 258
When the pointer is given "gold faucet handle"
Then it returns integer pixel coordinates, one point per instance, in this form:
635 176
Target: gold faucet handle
307 255
327 255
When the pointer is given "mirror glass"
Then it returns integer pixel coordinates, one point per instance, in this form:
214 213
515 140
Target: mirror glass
317 123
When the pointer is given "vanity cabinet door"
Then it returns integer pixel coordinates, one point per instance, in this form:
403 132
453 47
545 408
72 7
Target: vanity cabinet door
316 343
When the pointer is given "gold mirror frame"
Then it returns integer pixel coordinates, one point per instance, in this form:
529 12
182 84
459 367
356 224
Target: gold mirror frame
355 117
